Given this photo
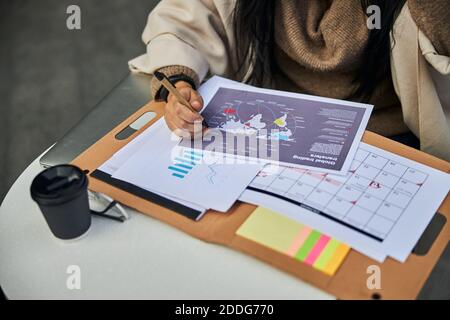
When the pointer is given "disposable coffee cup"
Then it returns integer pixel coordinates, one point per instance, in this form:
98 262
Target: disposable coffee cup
61 194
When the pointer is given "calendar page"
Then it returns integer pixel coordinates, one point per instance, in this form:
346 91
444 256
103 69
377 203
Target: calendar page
381 207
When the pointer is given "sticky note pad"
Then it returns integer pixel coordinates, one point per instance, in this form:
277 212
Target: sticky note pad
294 239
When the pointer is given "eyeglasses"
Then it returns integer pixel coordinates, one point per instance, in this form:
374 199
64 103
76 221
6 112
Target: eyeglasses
103 203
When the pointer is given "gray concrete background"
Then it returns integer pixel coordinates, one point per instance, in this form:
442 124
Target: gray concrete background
51 76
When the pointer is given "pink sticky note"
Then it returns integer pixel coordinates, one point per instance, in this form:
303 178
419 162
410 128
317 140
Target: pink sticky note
315 252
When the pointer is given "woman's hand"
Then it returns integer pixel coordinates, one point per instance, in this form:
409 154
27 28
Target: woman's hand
179 118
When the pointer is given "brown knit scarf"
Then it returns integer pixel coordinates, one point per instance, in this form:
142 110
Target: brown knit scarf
317 38
319 47
322 35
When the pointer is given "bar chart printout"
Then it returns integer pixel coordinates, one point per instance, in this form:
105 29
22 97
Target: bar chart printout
160 165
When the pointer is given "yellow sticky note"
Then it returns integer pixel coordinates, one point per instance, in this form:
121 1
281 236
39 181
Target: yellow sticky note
337 259
285 235
270 229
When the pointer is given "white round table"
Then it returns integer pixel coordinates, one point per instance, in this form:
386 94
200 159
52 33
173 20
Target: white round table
139 259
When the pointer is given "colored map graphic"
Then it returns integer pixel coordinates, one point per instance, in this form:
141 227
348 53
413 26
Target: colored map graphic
265 120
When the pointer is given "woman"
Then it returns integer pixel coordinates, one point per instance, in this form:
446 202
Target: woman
319 47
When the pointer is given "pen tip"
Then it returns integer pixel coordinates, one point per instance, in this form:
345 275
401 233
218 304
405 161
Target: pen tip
158 75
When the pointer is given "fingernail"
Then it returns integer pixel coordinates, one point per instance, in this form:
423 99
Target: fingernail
196 104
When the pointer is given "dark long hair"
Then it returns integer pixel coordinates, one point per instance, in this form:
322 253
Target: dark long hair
254 32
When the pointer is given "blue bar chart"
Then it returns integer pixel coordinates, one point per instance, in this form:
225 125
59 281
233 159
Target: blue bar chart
184 163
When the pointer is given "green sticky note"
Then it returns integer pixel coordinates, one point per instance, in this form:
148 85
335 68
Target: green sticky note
302 253
326 254
270 229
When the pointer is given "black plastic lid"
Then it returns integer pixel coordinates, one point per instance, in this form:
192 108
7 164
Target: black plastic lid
58 184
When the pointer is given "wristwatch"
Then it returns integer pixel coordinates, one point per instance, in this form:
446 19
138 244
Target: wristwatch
163 93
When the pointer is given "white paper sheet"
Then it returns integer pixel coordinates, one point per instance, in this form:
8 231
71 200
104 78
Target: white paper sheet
380 208
161 165
124 154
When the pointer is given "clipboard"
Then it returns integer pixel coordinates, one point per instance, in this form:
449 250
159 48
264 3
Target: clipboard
398 280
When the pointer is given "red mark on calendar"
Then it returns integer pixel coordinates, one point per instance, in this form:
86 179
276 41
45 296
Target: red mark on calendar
375 185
